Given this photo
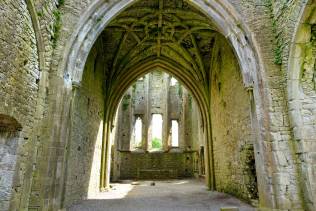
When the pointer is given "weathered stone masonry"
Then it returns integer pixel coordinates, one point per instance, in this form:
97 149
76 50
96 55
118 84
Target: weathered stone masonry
301 94
86 133
37 92
19 73
155 94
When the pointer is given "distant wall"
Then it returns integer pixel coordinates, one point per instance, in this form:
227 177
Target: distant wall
156 94
156 165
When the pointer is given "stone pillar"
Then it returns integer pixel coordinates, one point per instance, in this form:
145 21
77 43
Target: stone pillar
131 139
127 122
264 190
116 152
147 116
165 116
182 121
106 154
187 112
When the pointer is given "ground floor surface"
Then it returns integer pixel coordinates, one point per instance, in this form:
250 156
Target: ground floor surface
178 195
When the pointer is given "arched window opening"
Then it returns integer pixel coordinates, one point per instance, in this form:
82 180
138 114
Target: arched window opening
156 125
173 81
138 133
174 133
155 135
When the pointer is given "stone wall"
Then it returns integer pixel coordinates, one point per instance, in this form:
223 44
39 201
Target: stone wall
231 128
156 165
264 20
85 143
302 101
9 137
155 93
273 25
19 78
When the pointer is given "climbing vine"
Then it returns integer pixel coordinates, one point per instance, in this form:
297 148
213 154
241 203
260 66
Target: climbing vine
56 28
279 42
126 102
308 73
57 23
42 12
190 102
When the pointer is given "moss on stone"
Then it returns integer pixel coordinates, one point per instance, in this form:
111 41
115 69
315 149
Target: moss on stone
56 27
57 24
126 102
278 41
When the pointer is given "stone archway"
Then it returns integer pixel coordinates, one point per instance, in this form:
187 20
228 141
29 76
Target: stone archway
130 77
228 23
302 100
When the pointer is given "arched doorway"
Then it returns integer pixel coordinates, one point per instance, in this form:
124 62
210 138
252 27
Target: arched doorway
187 68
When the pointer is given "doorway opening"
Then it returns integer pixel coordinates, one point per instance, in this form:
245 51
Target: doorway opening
137 42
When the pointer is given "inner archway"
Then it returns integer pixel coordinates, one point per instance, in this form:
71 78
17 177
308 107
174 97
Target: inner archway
187 66
177 38
171 131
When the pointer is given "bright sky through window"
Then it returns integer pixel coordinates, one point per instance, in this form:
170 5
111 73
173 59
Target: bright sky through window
138 131
173 81
157 126
175 133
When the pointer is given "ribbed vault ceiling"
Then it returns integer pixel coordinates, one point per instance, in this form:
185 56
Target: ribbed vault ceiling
170 30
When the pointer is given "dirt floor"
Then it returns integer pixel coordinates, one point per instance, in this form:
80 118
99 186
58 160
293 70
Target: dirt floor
181 195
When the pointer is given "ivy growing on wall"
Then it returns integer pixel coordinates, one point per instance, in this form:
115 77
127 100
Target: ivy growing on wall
57 23
180 91
279 42
190 102
126 102
308 71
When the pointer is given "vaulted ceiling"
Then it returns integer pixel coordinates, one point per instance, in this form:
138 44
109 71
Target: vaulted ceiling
170 30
